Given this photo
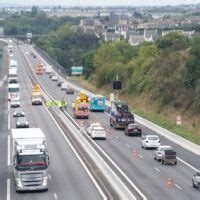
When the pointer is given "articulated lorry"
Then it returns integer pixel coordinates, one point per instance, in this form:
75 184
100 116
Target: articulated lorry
30 159
36 96
120 116
81 106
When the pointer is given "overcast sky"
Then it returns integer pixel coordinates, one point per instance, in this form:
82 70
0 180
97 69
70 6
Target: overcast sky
99 2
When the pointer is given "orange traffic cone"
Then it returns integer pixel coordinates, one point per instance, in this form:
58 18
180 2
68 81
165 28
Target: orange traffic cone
134 152
169 183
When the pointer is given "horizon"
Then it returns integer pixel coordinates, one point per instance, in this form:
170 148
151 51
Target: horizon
98 3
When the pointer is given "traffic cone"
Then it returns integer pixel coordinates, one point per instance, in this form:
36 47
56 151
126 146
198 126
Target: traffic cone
169 182
134 152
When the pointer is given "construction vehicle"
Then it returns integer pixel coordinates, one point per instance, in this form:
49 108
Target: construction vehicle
36 96
81 106
120 116
30 159
39 68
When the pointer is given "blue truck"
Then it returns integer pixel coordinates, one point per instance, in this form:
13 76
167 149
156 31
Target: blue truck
97 103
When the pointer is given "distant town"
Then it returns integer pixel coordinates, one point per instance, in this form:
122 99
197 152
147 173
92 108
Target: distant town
135 25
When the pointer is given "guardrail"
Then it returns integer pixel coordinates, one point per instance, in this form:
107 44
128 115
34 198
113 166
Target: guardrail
112 184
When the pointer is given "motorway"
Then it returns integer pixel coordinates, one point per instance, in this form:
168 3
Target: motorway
68 179
149 176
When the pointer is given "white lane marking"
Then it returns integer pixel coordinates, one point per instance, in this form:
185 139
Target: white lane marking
141 156
8 106
117 137
119 170
80 160
8 121
107 114
127 145
49 176
8 150
55 196
178 186
8 189
190 166
156 169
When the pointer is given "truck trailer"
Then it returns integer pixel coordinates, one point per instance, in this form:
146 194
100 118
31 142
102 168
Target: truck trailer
30 159
120 116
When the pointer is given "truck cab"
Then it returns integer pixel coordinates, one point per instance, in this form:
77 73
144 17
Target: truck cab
30 159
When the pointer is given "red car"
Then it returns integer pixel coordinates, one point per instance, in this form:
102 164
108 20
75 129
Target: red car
133 129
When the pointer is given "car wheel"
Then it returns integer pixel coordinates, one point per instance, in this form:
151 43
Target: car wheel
162 162
155 158
193 185
175 163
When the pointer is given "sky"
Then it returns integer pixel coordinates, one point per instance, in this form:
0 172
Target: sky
99 2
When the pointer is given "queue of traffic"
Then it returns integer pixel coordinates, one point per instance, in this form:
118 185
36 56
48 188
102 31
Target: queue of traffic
30 159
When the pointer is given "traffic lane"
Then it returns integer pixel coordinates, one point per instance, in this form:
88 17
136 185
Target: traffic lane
184 154
4 132
137 145
146 175
66 171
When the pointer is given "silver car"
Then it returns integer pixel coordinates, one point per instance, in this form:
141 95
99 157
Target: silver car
159 151
22 122
196 180
18 112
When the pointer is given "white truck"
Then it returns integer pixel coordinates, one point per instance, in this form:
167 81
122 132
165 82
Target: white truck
12 72
30 159
48 69
13 64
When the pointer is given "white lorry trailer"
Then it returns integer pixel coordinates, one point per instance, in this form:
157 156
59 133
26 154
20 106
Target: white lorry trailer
30 159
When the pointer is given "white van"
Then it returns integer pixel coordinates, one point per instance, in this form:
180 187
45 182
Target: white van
64 86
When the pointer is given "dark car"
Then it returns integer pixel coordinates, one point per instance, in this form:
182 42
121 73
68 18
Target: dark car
59 83
50 76
22 122
70 91
133 129
18 113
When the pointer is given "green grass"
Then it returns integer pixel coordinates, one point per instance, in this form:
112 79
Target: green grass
179 130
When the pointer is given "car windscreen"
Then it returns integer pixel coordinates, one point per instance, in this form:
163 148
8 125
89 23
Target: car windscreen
13 90
152 138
